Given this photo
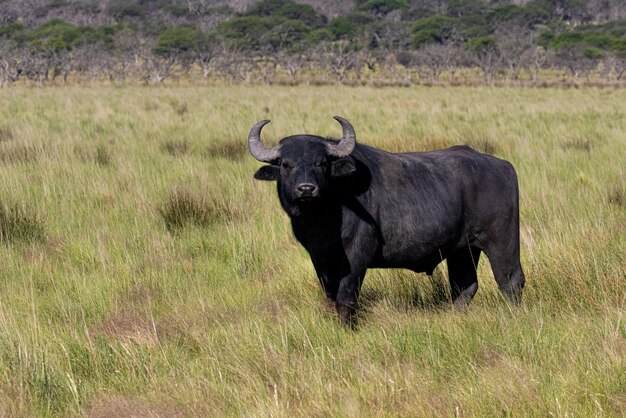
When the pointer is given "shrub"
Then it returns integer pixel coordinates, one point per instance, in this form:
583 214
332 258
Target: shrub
255 32
381 6
288 9
304 13
12 29
182 39
121 9
55 35
349 26
434 29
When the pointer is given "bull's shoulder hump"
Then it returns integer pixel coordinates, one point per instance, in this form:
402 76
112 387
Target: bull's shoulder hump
457 159
453 158
459 152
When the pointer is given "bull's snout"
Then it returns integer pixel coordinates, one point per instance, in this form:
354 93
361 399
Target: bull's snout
307 190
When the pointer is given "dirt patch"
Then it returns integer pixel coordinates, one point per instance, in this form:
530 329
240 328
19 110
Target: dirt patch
139 327
133 321
116 406
128 325
490 357
271 309
140 295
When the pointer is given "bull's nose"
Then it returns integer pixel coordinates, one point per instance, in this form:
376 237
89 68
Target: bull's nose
306 189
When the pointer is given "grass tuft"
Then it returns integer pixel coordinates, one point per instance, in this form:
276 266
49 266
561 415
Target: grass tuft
579 144
233 150
104 156
18 153
175 147
19 225
617 196
101 155
6 134
181 108
185 208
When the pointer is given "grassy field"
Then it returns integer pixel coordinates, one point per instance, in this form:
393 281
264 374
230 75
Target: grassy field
143 272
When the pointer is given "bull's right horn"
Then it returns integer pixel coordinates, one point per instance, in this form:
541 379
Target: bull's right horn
257 149
347 142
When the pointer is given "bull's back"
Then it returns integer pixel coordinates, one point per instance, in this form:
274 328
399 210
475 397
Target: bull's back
418 211
427 203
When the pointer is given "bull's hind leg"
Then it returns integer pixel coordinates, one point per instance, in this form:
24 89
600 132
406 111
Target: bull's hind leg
509 276
462 273
507 269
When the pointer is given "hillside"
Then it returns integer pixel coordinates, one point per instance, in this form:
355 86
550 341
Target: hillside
42 40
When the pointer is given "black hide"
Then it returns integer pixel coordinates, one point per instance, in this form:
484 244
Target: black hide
374 209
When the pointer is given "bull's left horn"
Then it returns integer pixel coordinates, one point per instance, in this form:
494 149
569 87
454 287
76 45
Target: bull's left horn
257 149
348 140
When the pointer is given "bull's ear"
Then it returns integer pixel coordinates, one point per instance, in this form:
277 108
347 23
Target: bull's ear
342 167
268 173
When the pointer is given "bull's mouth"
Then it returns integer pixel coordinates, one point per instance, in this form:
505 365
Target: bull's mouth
307 198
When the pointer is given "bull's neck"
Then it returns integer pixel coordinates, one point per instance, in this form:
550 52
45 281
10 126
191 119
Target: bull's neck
316 219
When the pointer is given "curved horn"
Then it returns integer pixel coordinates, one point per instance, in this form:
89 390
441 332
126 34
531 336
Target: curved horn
257 149
348 140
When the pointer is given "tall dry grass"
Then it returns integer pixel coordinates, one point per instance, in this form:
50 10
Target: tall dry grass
144 272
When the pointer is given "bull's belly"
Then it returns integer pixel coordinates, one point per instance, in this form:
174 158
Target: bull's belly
420 264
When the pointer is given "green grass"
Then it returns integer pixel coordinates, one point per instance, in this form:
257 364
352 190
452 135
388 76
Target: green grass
143 271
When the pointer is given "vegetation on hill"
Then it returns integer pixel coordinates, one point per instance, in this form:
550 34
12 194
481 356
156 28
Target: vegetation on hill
152 39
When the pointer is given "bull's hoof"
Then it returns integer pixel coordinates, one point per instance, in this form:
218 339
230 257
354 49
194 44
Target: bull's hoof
464 299
514 296
330 305
347 315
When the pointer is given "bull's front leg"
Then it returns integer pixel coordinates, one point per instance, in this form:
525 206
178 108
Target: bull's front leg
330 290
359 248
348 297
323 271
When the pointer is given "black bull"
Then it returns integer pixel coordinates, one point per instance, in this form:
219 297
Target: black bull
354 207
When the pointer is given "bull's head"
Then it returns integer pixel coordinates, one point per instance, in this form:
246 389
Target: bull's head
303 165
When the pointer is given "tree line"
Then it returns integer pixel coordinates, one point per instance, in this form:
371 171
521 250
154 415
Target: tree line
380 41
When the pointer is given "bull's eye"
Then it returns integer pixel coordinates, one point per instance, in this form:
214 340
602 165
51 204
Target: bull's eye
286 165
